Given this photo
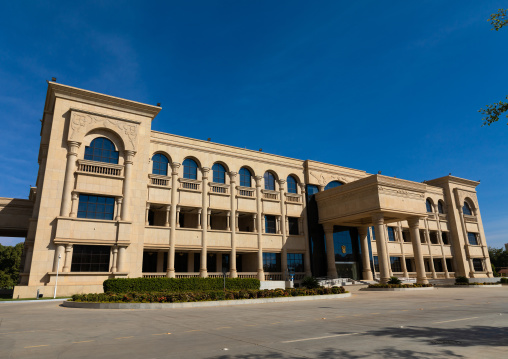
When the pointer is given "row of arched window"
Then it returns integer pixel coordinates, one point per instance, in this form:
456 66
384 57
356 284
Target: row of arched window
466 208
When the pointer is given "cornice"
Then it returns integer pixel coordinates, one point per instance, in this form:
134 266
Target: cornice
453 179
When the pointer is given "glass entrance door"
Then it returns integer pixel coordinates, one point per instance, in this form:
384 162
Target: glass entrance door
347 270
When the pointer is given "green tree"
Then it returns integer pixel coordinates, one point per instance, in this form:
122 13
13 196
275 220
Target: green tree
10 260
498 257
492 112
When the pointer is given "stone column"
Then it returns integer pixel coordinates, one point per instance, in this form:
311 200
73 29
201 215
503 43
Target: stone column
429 244
118 208
282 229
384 270
330 251
259 208
228 220
401 240
367 271
306 258
205 216
74 206
414 228
173 220
60 251
129 155
209 221
115 259
68 258
168 211
234 225
121 260
72 155
254 219
199 218
147 211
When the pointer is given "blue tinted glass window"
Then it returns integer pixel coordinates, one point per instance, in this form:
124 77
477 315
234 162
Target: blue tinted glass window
245 177
428 204
293 226
373 233
96 207
269 181
270 226
311 190
292 185
391 234
271 262
160 164
440 207
396 264
466 209
375 263
333 184
295 262
219 173
102 150
190 169
472 238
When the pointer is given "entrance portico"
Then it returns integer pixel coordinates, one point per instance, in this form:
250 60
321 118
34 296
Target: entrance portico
374 201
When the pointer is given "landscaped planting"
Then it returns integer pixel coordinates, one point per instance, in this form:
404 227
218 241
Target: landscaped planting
200 296
473 283
139 285
416 285
504 280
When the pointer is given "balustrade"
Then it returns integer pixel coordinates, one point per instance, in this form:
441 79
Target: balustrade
271 195
293 198
158 180
245 191
192 185
101 168
219 188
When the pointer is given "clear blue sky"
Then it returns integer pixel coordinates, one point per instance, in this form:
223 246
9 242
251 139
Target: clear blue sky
374 85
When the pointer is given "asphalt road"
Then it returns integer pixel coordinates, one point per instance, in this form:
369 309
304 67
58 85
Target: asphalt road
443 323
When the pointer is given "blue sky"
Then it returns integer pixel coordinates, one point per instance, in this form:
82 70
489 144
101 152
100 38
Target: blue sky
374 85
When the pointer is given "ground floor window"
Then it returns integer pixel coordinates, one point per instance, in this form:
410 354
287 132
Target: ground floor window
96 207
478 264
293 225
375 263
409 265
472 238
449 265
271 262
438 265
434 237
395 263
406 236
90 258
295 262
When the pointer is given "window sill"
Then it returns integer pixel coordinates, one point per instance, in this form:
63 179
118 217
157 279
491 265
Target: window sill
94 220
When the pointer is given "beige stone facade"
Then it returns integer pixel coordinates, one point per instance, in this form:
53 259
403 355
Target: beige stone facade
170 225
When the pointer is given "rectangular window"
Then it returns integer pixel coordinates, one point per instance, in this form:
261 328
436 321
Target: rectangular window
395 263
375 264
90 258
438 265
391 234
270 226
444 237
434 237
449 265
293 225
472 238
478 264
409 265
406 236
373 233
96 207
271 262
423 238
295 262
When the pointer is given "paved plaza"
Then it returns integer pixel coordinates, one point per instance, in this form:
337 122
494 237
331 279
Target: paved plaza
444 323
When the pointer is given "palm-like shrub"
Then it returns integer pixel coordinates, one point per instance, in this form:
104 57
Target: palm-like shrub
461 280
394 280
310 282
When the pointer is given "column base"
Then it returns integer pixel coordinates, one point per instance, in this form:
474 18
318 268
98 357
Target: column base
405 274
261 275
203 273
422 280
472 275
447 275
170 273
434 275
384 280
332 275
367 275
233 273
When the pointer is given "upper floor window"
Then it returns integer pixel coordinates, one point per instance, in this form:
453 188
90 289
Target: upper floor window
292 185
219 173
311 191
333 184
391 234
440 207
102 150
160 164
472 238
293 226
190 169
428 204
466 209
97 207
269 181
270 225
245 177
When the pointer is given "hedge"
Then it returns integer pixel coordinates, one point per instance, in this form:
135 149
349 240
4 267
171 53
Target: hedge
417 285
124 285
504 280
475 283
199 296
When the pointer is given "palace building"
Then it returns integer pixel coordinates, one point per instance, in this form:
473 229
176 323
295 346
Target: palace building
115 199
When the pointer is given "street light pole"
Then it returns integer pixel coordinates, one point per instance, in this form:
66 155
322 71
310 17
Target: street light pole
56 281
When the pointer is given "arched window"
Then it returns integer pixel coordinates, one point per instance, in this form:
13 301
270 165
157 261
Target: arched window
160 164
102 150
428 204
292 185
333 184
440 207
190 169
245 177
269 181
219 173
466 209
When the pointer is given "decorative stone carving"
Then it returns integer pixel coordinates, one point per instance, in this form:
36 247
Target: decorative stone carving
324 178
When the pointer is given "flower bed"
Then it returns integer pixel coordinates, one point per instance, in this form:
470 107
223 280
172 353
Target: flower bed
200 296
400 285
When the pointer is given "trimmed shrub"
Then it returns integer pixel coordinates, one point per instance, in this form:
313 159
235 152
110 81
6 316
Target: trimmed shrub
388 285
310 282
462 280
394 280
200 296
504 280
139 285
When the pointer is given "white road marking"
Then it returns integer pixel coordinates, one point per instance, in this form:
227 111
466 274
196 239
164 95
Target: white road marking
454 320
325 337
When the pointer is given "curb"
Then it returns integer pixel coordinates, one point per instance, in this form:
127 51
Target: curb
475 286
219 303
397 289
33 300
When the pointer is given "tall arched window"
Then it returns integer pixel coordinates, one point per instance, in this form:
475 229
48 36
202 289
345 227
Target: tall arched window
160 164
333 184
245 177
269 181
440 207
219 173
428 204
190 169
466 209
292 185
102 150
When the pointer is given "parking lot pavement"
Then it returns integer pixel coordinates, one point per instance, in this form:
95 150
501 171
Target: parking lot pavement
443 323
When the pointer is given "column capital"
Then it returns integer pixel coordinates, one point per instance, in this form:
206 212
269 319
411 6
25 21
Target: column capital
378 218
302 187
148 206
74 196
200 210
228 213
68 247
119 200
174 167
258 180
414 222
205 171
72 148
321 187
168 208
363 231
129 156
281 182
209 211
328 227
232 176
